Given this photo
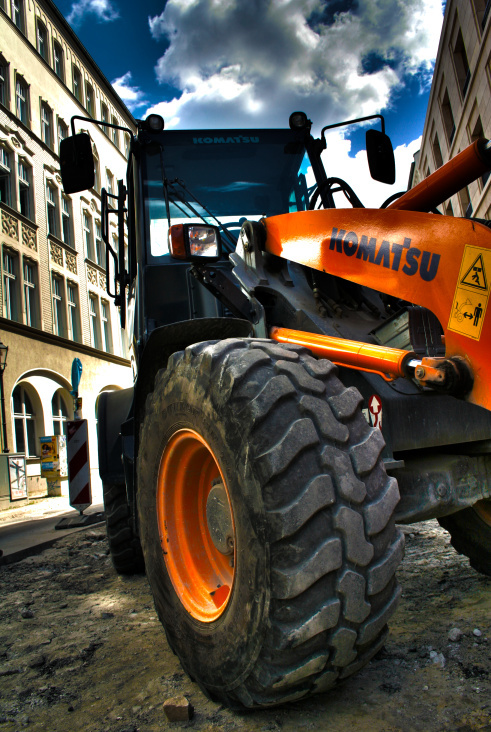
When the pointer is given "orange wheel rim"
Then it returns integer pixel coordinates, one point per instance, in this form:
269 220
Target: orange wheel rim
201 574
483 510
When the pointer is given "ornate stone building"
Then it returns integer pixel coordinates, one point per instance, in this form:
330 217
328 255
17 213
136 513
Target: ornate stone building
54 306
459 109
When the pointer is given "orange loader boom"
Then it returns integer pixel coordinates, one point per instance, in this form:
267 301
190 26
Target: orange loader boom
464 168
439 262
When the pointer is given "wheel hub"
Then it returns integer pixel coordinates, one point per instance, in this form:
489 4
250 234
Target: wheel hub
196 525
219 519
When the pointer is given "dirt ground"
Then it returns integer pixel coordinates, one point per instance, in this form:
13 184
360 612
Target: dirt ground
81 649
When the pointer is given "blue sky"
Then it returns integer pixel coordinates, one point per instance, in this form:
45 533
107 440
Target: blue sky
247 63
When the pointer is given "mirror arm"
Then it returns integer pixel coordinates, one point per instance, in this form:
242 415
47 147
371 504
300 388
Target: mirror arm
98 122
122 274
106 210
352 122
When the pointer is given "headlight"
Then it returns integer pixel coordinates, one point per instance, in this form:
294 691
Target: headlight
194 241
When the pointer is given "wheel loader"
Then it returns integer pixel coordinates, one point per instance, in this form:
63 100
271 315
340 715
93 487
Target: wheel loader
306 378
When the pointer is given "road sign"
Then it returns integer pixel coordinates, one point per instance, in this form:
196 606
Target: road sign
76 375
80 494
472 293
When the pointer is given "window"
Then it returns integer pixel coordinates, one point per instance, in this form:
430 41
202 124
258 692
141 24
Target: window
104 117
18 14
57 290
88 236
46 125
478 132
58 61
114 131
484 13
73 311
25 178
21 100
62 130
42 40
4 77
97 173
52 209
461 64
465 202
89 99
107 343
77 84
109 182
24 422
98 245
437 153
448 120
5 176
60 414
127 143
11 309
30 296
116 245
95 338
66 215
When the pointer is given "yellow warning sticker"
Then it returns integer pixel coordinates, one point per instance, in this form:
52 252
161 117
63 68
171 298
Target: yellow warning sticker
472 293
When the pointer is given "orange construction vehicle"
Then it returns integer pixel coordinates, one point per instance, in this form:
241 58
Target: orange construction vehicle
306 378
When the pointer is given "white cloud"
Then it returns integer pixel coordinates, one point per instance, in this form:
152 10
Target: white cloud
254 62
132 96
104 11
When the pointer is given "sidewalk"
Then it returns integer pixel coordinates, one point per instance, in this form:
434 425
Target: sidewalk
37 508
29 529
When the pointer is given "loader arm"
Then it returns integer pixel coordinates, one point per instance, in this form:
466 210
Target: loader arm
439 262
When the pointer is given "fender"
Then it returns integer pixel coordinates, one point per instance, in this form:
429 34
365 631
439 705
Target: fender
120 413
113 408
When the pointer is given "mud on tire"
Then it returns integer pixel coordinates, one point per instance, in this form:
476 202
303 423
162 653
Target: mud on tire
316 544
124 544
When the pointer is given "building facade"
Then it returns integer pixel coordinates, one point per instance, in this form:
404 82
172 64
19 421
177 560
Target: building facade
54 306
459 109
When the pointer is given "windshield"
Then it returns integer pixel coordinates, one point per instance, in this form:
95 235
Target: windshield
225 175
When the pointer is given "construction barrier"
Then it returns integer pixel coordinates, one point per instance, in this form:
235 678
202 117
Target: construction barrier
80 494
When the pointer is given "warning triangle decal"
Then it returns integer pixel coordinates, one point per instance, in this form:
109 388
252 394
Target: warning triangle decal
476 276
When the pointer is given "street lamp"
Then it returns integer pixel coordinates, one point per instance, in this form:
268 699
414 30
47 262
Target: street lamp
3 363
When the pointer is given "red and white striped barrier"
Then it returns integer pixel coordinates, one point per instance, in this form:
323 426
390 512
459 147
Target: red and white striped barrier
80 494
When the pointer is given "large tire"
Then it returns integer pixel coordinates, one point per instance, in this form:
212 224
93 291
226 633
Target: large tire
312 583
124 544
470 532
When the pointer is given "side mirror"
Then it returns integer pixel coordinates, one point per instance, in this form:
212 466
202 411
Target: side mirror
77 163
380 157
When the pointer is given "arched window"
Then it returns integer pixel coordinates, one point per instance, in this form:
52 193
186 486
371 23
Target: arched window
17 10
25 188
24 422
4 82
77 84
42 40
58 61
97 171
22 99
60 414
6 158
